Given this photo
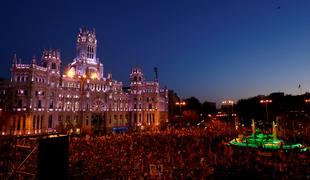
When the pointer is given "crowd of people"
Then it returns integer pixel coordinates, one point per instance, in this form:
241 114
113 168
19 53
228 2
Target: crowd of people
182 153
200 153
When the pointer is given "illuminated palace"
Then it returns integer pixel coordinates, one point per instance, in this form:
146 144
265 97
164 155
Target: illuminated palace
40 99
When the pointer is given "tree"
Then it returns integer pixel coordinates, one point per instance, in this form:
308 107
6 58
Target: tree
208 108
193 104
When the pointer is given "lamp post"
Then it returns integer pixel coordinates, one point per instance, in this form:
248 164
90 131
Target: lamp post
266 101
180 104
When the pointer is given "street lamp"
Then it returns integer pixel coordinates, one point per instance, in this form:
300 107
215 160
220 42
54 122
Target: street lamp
180 104
266 101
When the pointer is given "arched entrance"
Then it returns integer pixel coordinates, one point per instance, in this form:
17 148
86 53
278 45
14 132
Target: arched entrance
98 120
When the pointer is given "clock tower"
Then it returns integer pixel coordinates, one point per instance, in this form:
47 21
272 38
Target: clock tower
86 63
86 46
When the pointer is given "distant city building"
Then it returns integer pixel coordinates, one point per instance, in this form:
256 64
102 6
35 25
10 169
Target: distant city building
40 99
227 106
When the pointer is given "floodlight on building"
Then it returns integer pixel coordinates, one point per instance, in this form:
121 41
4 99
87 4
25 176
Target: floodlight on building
71 73
94 76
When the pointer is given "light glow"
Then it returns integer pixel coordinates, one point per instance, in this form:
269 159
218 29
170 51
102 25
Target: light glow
94 76
71 72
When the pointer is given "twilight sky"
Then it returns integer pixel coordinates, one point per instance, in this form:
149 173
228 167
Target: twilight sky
211 49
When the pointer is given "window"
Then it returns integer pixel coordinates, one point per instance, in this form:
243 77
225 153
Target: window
51 105
68 106
53 65
20 103
41 121
18 124
135 117
38 122
76 106
39 104
24 121
115 119
68 118
14 123
126 118
34 122
50 121
60 119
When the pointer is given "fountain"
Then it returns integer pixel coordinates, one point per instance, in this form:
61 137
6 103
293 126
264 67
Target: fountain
268 142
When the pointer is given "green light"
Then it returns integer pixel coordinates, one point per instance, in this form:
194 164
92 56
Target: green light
266 141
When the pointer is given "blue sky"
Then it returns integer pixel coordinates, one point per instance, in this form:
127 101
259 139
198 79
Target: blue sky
212 49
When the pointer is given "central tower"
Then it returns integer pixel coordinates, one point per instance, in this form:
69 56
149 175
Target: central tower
86 63
86 45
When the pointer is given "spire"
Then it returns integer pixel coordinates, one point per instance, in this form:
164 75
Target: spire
14 58
33 61
156 74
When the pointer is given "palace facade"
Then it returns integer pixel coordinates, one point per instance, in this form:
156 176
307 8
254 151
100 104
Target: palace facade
42 99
